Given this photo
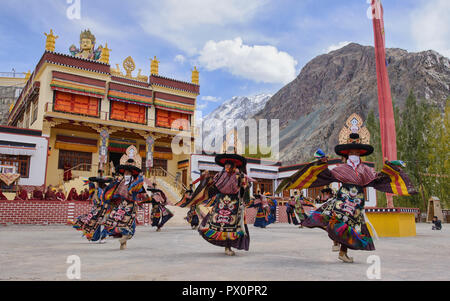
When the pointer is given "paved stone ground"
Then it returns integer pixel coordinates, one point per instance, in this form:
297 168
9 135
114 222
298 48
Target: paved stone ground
279 252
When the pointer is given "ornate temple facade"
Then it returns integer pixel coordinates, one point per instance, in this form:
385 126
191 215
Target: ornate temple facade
91 112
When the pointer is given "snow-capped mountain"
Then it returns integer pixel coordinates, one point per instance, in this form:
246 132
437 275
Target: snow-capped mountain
238 107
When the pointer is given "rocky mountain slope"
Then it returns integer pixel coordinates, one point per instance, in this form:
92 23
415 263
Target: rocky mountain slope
313 108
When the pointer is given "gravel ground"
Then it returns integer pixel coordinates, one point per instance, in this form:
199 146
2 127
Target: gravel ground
279 252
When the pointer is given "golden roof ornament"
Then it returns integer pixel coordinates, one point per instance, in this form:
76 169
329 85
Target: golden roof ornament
104 57
116 71
129 66
154 66
50 41
354 124
195 76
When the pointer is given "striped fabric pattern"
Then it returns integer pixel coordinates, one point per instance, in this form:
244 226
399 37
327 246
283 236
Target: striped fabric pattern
174 106
129 97
68 86
399 182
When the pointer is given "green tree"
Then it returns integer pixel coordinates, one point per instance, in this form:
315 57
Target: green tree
437 172
413 148
259 154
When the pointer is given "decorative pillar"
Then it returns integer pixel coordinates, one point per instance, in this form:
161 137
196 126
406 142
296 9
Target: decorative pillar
150 142
154 66
50 41
103 152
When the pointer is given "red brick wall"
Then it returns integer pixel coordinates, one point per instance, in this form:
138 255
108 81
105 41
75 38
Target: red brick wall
51 212
55 212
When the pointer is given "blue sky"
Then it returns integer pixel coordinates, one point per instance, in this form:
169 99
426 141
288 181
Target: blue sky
241 47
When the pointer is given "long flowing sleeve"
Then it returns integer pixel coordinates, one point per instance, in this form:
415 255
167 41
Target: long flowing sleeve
201 193
315 174
393 179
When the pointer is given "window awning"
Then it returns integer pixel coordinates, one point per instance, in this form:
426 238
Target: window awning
128 97
77 88
17 151
174 106
17 148
76 144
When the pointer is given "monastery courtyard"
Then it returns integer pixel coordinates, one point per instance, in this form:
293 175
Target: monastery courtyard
280 252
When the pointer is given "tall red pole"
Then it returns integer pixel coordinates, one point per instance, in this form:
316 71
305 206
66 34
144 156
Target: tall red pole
386 111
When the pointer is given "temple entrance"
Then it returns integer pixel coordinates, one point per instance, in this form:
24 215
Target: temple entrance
115 158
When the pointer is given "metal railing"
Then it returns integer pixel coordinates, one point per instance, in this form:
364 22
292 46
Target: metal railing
12 74
68 110
86 167
177 184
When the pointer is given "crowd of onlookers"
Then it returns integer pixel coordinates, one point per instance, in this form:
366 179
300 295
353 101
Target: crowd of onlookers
50 194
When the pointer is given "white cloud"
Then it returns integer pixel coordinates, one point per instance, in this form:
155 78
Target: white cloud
211 98
201 106
259 63
337 46
187 23
180 59
430 26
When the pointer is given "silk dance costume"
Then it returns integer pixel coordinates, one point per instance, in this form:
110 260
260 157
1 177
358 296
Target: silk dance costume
343 216
264 206
91 223
299 208
227 193
160 214
124 195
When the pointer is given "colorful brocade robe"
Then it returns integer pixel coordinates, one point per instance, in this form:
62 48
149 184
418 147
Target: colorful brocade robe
343 215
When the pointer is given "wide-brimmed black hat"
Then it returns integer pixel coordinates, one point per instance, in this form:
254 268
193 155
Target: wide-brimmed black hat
130 167
327 190
353 144
100 179
234 159
154 189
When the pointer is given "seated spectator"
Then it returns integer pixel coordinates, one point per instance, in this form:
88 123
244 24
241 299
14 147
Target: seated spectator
73 195
50 194
2 196
37 194
60 195
437 224
21 194
84 196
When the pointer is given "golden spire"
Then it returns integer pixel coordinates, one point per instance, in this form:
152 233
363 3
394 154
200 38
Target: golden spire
195 76
27 75
104 57
50 41
154 66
